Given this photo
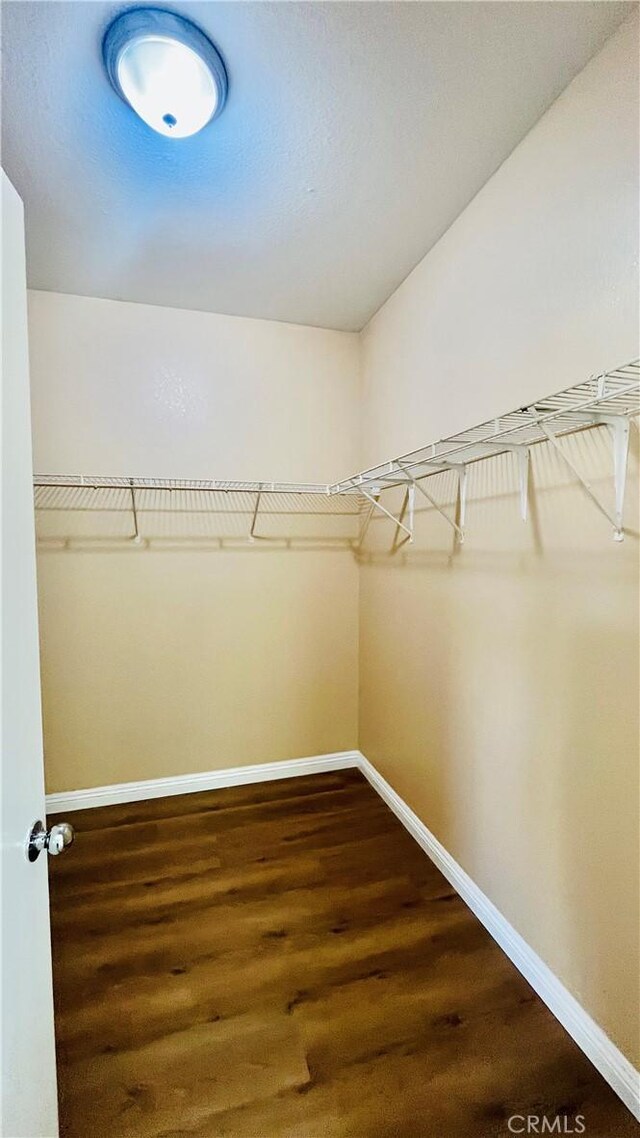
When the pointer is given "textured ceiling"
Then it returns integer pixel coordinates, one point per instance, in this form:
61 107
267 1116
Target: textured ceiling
353 136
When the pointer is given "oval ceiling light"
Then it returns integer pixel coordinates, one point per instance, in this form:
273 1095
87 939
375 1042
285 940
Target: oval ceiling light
166 69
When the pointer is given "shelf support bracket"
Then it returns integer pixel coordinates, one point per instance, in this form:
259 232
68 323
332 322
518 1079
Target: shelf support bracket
411 502
619 428
134 510
365 526
377 505
522 453
252 531
620 435
523 475
425 494
407 506
462 494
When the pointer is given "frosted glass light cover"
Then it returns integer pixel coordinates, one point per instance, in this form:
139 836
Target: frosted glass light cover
166 69
168 85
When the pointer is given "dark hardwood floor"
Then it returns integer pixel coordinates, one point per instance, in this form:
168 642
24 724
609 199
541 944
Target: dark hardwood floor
283 960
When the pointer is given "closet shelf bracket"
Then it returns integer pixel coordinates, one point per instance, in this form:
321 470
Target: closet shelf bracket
462 496
252 530
408 507
376 504
523 456
136 538
619 428
425 494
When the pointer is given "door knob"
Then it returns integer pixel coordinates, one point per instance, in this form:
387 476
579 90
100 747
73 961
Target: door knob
54 841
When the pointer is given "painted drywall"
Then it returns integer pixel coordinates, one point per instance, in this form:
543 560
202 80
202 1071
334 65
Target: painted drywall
180 656
499 680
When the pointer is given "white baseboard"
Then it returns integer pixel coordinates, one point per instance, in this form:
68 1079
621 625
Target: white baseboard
603 1053
205 780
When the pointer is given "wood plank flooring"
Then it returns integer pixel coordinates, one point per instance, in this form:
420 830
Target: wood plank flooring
283 961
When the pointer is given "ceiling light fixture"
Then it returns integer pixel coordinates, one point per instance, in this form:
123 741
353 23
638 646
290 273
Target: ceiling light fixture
166 69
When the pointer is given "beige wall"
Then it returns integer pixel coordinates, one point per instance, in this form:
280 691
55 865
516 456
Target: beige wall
181 657
499 681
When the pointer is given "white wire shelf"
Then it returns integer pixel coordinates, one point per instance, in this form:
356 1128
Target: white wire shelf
609 399
616 393
106 512
206 485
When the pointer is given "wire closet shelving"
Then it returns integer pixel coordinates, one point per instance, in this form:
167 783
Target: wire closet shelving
609 399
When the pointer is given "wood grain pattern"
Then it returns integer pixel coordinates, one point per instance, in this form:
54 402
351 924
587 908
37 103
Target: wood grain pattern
282 961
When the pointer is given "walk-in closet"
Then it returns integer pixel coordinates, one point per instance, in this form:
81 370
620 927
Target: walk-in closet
321 397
